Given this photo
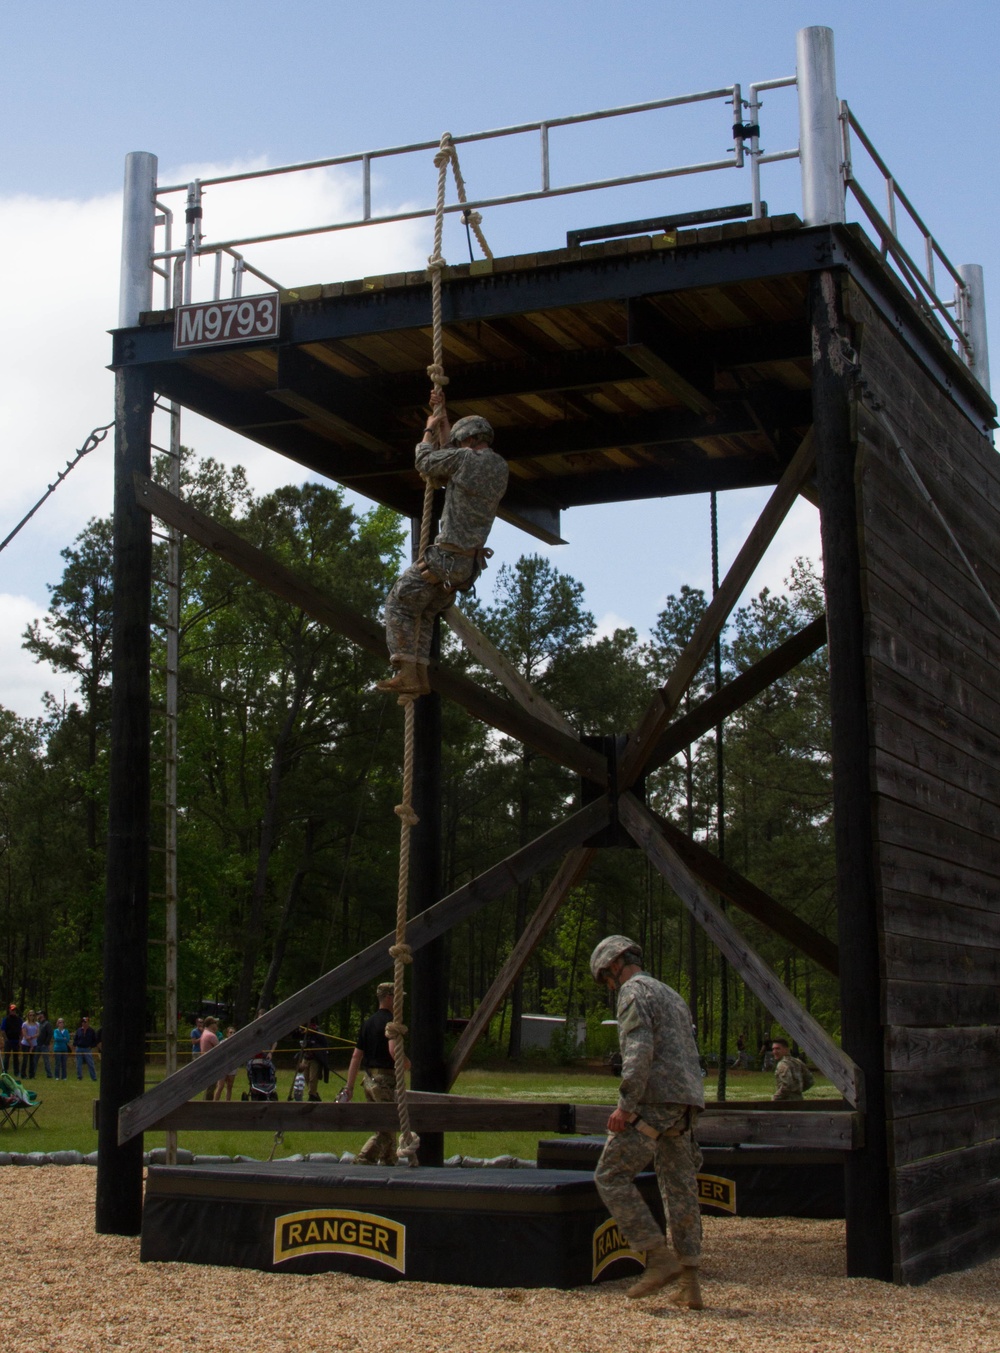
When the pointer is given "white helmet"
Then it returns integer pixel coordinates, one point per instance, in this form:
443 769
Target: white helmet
614 946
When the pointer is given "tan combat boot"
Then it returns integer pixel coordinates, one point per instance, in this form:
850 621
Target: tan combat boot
410 679
688 1291
661 1268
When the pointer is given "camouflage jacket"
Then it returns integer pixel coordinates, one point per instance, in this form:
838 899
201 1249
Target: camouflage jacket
475 482
659 1056
790 1078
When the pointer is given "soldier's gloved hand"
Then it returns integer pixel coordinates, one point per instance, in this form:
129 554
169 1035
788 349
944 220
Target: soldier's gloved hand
344 1097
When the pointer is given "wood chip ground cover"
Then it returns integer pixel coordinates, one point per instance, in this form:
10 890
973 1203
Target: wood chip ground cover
769 1284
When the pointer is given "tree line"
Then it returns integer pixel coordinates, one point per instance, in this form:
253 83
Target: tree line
289 768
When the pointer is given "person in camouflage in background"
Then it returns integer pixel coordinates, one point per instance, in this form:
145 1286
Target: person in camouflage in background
460 460
659 1097
791 1076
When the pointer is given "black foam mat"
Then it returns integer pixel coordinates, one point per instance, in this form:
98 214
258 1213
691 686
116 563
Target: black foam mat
744 1181
483 1227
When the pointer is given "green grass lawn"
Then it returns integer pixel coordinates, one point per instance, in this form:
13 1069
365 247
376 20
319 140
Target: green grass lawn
66 1112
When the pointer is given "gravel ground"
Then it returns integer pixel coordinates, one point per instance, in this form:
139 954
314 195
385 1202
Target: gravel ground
772 1284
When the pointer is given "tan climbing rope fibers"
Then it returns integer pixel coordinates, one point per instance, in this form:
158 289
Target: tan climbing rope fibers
400 951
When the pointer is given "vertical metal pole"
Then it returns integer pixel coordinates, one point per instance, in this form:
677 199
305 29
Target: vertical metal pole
754 112
975 319
173 628
544 130
720 820
819 128
126 911
138 226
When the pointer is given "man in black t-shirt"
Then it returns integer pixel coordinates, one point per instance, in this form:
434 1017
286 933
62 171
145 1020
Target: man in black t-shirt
11 1028
374 1055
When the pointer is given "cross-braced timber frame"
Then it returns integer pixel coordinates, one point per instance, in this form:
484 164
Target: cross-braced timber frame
752 354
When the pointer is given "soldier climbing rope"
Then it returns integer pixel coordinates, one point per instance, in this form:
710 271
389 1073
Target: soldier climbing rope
460 459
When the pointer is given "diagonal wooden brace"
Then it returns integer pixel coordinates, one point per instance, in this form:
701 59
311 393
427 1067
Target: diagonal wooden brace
569 874
145 1112
759 977
642 742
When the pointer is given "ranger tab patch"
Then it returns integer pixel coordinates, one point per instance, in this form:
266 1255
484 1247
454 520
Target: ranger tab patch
329 1231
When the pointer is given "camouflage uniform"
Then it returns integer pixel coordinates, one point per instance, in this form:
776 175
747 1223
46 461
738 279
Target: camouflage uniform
380 1088
790 1078
661 1081
475 482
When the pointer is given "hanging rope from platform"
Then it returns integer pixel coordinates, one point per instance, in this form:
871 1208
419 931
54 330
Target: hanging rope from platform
400 951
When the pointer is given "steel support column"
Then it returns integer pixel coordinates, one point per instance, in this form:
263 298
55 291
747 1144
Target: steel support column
126 912
429 982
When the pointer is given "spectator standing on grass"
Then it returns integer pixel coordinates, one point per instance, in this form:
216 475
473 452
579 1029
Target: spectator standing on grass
44 1042
196 1032
60 1048
84 1043
11 1026
29 1041
225 1082
209 1040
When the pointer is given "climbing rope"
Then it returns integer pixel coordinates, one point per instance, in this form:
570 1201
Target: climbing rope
400 952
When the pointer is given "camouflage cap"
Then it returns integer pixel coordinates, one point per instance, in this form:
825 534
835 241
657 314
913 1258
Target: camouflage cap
610 948
384 989
472 426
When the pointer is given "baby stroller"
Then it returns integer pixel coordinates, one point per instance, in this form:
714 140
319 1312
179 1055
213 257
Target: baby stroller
262 1077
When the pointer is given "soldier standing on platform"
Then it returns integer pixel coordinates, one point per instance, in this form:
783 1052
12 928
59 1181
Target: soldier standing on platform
659 1098
460 460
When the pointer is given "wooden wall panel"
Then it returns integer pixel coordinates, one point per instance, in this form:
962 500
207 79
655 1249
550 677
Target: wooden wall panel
932 659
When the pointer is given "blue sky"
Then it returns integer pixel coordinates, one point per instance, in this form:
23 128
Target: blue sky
214 84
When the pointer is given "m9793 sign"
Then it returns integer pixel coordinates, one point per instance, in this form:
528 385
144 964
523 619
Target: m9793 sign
240 320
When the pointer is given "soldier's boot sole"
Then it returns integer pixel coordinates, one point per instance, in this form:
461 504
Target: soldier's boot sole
661 1268
688 1291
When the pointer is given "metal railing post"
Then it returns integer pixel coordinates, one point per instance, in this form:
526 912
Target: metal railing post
975 322
138 229
819 128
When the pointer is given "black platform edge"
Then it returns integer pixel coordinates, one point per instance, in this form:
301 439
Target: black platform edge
482 1228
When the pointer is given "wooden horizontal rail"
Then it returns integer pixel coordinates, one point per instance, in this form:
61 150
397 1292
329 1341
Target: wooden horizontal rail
720 1125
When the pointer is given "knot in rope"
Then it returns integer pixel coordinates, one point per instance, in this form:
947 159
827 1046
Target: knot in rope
406 814
394 1030
402 952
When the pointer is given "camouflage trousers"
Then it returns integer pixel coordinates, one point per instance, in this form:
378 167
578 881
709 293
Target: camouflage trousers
413 603
676 1160
380 1088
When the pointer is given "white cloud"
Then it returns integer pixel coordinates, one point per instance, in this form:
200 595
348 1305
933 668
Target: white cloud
61 294
25 681
609 622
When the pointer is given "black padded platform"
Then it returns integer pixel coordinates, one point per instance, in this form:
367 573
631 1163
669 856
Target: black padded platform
485 1228
765 1181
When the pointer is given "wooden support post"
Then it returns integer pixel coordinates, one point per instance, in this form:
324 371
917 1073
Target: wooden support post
867 1189
429 982
126 911
569 874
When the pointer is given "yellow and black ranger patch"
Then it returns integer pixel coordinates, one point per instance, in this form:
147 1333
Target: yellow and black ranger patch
326 1231
717 1192
609 1247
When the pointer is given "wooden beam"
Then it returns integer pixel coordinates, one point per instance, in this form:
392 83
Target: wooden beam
759 977
140 1114
572 870
482 704
751 899
649 731
494 661
710 713
813 1128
